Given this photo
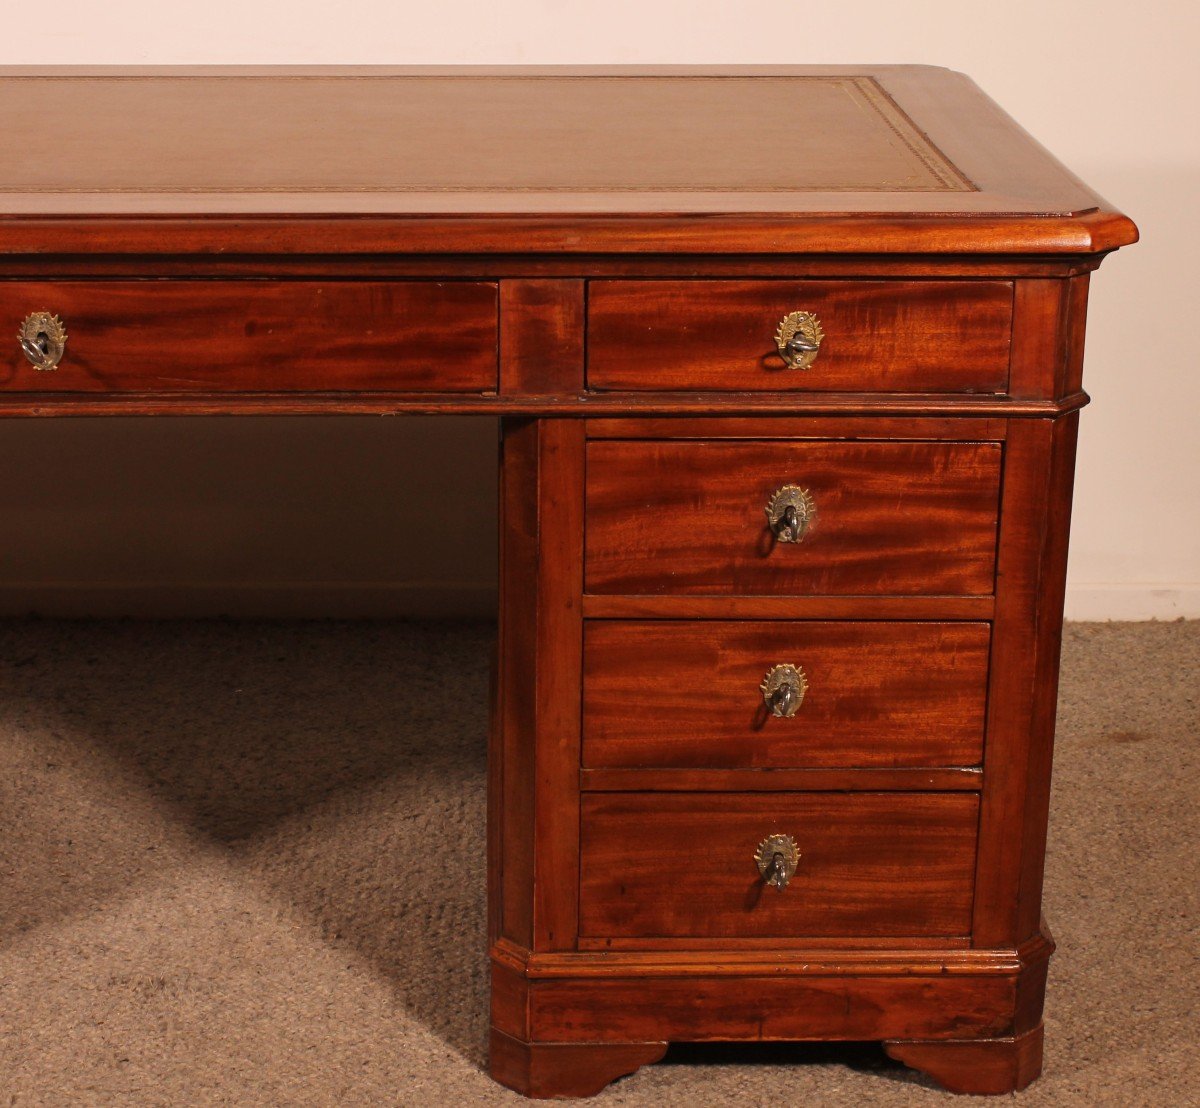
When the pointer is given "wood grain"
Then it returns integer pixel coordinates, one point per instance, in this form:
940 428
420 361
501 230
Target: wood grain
1023 689
681 865
634 606
685 694
510 753
438 264
247 336
887 336
1070 376
1038 336
1088 234
696 1007
840 956
552 1070
375 402
624 779
980 1067
774 953
537 744
958 428
541 337
892 518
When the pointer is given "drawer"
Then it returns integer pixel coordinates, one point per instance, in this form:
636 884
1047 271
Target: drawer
885 518
733 695
682 865
877 336
257 336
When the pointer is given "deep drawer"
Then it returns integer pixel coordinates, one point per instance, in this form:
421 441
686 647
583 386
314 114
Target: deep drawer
887 518
877 336
257 336
682 865
734 695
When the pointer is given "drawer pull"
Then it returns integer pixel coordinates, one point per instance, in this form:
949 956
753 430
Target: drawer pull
43 339
798 339
790 513
777 857
783 690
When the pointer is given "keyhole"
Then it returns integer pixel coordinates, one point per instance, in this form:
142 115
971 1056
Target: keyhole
38 347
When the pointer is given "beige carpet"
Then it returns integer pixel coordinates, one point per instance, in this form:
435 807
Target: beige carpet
244 864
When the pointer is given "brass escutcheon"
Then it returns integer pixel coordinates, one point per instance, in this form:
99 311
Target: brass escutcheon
777 857
798 339
790 513
783 689
43 340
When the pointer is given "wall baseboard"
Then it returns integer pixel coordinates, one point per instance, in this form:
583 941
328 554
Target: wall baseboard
250 600
1115 601
431 600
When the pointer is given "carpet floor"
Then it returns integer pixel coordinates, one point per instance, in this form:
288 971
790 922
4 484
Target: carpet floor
243 864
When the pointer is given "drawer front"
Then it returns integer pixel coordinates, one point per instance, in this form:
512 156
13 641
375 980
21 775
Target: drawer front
886 518
682 865
878 336
257 336
720 695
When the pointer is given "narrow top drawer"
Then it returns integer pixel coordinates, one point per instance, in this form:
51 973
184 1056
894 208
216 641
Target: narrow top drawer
869 336
181 336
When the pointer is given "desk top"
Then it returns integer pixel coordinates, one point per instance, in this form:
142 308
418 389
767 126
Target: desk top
839 159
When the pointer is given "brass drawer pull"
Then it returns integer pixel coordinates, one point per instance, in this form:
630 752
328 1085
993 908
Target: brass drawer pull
777 857
43 339
783 690
798 339
790 513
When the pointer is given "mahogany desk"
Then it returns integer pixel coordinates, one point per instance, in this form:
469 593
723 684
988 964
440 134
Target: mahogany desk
789 366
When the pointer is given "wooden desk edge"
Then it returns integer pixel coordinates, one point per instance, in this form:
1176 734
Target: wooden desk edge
1094 232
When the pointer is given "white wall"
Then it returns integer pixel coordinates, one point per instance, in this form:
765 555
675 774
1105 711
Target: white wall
1112 87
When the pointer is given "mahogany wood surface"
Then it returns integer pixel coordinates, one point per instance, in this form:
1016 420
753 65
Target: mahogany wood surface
956 428
982 1067
829 956
585 233
695 1006
635 606
726 954
376 264
773 994
889 336
1023 692
626 779
535 749
546 406
891 518
541 341
515 711
686 694
600 257
551 1070
267 336
674 865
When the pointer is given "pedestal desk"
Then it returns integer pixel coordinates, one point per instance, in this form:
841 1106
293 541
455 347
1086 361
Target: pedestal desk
789 368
